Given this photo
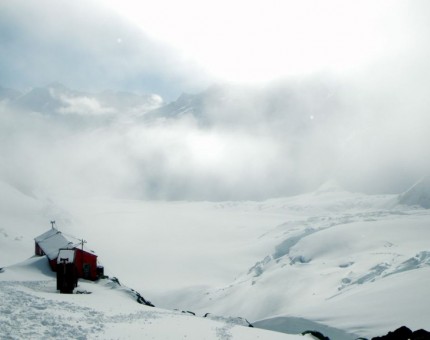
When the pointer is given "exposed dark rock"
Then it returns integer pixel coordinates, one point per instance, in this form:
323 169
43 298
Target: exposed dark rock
114 279
399 334
188 312
83 292
140 299
316 334
404 333
229 319
420 334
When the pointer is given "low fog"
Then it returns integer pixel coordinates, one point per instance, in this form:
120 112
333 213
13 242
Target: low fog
368 130
225 143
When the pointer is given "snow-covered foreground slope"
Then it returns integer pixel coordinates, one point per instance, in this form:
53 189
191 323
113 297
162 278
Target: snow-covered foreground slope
346 264
31 308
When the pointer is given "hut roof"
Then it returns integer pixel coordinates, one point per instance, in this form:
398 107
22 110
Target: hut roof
53 240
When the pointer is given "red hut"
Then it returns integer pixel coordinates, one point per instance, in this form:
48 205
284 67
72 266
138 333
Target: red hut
50 243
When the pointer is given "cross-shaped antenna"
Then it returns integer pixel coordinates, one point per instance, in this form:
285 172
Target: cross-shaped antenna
52 223
82 243
82 257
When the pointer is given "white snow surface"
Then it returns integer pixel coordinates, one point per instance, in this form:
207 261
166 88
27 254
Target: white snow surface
346 264
31 308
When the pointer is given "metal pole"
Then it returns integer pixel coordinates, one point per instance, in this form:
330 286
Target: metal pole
82 256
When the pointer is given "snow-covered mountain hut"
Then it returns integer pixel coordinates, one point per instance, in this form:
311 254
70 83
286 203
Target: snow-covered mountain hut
50 243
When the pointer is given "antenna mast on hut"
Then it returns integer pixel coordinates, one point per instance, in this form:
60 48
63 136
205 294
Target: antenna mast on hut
82 244
52 224
82 257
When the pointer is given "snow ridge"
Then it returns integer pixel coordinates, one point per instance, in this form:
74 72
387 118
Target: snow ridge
418 194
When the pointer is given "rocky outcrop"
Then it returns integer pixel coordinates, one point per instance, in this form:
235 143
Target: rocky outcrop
404 333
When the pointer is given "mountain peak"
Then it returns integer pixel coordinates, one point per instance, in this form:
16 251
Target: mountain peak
329 186
9 94
418 194
56 86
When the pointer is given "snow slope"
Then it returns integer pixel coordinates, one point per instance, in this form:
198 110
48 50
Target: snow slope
342 260
346 264
31 308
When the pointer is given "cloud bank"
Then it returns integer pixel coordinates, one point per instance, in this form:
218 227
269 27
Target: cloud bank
89 47
226 143
368 130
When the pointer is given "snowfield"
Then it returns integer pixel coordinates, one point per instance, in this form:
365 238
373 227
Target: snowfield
294 202
345 264
32 309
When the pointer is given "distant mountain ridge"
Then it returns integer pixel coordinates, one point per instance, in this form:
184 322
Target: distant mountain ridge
8 94
55 98
292 135
418 194
286 110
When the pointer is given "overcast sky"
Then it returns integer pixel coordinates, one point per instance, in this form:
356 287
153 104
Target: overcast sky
87 46
169 46
261 40
318 90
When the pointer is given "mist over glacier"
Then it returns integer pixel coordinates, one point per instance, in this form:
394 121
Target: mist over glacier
263 160
118 126
228 142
